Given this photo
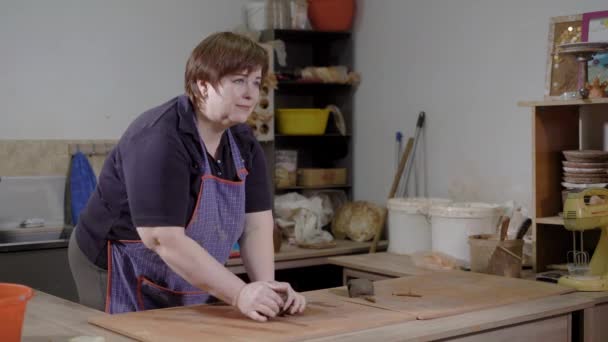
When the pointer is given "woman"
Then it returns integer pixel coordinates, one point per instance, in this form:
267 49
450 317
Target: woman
185 182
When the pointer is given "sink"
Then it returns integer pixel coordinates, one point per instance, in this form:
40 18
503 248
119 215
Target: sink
33 235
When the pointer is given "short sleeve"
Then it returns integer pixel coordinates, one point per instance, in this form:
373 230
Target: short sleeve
257 185
157 179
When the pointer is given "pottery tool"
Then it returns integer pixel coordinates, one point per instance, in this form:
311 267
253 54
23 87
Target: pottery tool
410 164
406 294
523 229
360 288
398 148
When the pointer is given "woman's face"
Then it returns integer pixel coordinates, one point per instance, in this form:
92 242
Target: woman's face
234 99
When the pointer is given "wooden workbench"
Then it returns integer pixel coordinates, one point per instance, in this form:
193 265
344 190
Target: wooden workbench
52 319
376 266
291 256
590 320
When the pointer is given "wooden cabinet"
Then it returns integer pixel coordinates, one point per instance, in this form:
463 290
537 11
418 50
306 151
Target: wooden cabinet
556 126
332 149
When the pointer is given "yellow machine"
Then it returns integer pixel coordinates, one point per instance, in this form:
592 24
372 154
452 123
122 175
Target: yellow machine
587 210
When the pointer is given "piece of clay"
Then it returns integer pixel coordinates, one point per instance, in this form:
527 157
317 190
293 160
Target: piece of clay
360 288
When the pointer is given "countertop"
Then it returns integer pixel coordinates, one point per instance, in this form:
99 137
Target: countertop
52 319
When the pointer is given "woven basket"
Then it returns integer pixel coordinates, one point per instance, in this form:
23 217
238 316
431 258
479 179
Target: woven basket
482 247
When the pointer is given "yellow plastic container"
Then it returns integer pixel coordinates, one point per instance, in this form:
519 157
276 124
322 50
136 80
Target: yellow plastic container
302 121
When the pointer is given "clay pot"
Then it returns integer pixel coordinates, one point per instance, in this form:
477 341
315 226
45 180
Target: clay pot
331 15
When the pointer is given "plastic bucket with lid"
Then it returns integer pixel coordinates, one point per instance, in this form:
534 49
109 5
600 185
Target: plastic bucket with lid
13 298
409 228
453 223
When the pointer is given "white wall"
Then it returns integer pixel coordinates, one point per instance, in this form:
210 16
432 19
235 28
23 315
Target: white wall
74 69
466 63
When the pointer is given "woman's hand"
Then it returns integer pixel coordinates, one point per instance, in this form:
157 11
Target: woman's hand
258 301
294 302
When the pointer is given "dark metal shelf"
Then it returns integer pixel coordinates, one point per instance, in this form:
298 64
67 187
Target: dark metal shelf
306 35
329 135
296 86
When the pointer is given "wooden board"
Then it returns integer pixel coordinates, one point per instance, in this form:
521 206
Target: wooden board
453 292
390 264
325 315
293 256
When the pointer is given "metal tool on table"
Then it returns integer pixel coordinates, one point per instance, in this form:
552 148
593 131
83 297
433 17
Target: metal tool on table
587 210
361 288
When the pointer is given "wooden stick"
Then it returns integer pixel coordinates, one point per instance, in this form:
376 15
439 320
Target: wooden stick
504 228
370 299
391 194
406 294
509 252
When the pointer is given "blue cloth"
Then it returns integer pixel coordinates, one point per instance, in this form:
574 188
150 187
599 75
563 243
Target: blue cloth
82 184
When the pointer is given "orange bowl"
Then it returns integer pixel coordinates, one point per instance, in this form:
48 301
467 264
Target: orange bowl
13 299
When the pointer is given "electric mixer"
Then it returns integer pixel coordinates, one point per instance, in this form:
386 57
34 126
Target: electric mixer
587 210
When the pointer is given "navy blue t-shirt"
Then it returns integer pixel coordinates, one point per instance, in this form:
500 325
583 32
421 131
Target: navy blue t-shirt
152 177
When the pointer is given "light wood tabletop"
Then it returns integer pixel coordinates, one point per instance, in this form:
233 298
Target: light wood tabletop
394 265
53 319
291 256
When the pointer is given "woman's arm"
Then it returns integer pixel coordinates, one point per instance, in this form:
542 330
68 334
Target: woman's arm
257 252
257 300
192 262
257 249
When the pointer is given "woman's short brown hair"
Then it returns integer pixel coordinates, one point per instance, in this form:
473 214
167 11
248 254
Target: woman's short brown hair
222 54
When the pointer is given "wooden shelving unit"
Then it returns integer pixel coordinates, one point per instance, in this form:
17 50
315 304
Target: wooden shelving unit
336 186
305 48
555 128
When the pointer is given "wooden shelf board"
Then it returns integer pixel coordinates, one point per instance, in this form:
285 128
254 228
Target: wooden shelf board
552 220
330 135
562 102
312 84
315 187
307 35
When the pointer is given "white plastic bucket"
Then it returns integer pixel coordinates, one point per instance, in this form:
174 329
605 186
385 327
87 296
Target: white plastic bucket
255 12
451 225
409 228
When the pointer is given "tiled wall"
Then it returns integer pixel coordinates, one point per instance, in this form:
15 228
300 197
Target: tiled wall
44 157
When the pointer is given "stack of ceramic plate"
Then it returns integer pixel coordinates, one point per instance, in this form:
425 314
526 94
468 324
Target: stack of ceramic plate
585 168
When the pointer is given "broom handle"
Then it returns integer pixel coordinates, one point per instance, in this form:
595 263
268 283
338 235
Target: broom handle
391 194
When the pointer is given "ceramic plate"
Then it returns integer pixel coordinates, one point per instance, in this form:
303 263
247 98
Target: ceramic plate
583 186
580 165
585 171
586 180
586 175
586 156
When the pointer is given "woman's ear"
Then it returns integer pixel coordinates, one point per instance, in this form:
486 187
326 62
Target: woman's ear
202 88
